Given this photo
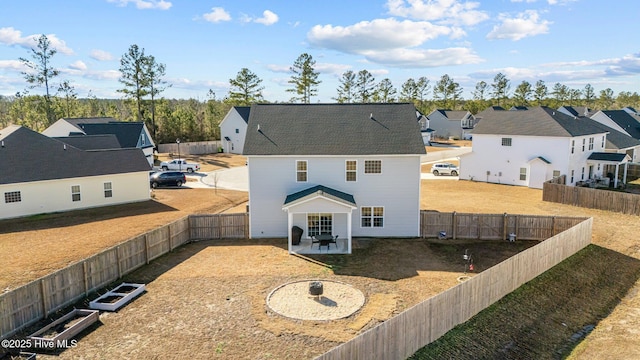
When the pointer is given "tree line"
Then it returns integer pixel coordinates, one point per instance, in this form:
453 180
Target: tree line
142 80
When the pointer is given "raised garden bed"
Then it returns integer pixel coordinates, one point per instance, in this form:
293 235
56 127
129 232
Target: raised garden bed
60 331
118 297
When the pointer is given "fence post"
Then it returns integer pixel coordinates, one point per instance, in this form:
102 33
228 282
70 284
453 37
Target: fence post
118 261
45 296
505 221
516 226
86 278
454 226
553 226
146 248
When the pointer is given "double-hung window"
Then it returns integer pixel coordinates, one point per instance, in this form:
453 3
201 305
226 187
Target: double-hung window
506 141
301 171
372 216
75 193
523 174
351 169
108 190
590 143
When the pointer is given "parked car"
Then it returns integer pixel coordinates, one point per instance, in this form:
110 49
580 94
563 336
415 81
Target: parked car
444 169
179 165
167 178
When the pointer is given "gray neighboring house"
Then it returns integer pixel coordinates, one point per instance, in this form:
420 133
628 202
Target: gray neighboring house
349 170
129 134
452 124
576 111
48 175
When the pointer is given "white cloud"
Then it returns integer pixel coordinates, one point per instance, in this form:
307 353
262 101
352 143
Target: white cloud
144 4
12 65
278 68
420 58
525 24
78 65
268 18
442 11
101 55
379 34
217 14
10 36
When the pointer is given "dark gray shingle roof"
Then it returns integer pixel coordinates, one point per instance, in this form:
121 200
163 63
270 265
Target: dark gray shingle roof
615 139
91 142
244 112
36 157
348 198
537 121
625 120
128 133
333 129
602 156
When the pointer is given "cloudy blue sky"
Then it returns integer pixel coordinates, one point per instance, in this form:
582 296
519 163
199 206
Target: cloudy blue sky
204 43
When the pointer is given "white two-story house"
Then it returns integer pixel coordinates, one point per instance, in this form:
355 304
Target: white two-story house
342 169
233 129
529 147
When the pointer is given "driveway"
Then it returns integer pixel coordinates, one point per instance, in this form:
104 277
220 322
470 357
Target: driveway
235 178
444 154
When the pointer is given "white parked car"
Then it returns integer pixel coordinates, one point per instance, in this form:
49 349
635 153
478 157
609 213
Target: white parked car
179 165
444 169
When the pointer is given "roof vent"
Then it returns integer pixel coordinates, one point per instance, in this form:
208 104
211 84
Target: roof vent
258 127
371 116
2 143
64 146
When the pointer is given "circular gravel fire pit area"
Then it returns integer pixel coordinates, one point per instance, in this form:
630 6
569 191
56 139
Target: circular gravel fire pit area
294 300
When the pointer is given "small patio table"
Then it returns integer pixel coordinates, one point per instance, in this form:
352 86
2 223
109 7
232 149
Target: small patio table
325 240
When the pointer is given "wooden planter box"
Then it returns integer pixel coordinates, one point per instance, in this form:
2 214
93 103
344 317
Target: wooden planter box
58 333
118 297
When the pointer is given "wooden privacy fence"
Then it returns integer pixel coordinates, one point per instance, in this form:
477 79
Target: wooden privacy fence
402 335
219 226
592 198
493 226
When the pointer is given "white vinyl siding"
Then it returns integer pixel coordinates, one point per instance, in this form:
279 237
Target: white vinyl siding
397 189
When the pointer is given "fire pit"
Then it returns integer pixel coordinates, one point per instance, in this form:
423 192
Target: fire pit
329 300
315 288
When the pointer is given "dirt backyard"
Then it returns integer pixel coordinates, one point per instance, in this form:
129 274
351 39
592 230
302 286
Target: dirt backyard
207 299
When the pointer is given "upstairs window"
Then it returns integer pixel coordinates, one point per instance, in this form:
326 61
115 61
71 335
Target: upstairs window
584 142
351 168
373 166
573 145
108 191
12 197
75 193
590 143
301 171
603 142
506 141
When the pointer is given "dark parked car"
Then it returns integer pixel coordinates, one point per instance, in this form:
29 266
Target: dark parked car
165 178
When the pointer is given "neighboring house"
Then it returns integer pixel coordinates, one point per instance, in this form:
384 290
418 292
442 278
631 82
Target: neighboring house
48 175
576 111
344 169
621 143
620 120
529 147
233 129
426 132
128 134
452 124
